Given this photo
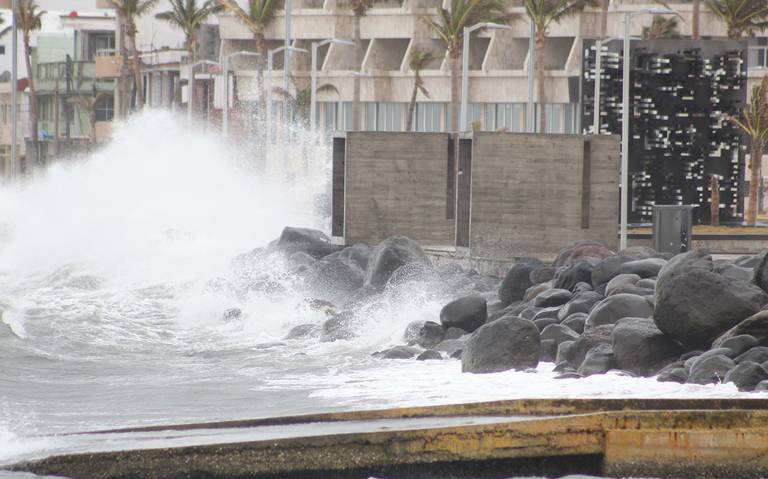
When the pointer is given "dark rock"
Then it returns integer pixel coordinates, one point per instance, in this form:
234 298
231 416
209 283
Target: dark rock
749 261
507 343
450 346
647 283
542 274
694 306
645 268
308 330
581 303
582 288
300 261
616 307
598 360
757 354
535 290
619 282
569 375
398 352
746 375
673 375
467 313
760 276
411 334
568 276
639 346
552 313
685 263
454 333
635 253
334 280
429 354
430 334
340 326
559 333
762 386
360 297
566 354
634 290
548 350
457 354
411 272
358 253
730 270
529 312
690 354
313 242
588 340
517 280
576 322
755 326
582 249
711 370
542 323
606 270
563 368
691 362
391 254
739 344
552 297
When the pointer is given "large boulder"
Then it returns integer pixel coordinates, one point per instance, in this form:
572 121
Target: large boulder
711 370
391 254
340 326
730 270
582 249
757 354
580 303
507 343
518 280
760 277
467 313
645 268
588 340
695 305
746 375
313 242
559 334
640 348
683 264
359 253
334 280
606 270
620 281
616 307
755 326
598 360
552 297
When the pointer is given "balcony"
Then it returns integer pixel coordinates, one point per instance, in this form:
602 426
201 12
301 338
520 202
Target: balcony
108 64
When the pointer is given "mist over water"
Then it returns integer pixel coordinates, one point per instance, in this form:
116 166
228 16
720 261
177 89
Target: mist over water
117 271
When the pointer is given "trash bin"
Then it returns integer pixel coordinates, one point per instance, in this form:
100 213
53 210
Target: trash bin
672 228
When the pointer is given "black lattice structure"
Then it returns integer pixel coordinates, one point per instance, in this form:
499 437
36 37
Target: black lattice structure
681 92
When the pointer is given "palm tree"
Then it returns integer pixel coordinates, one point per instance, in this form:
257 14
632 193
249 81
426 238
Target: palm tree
88 104
742 17
754 123
302 100
257 18
449 26
130 11
543 13
661 27
187 16
418 61
28 20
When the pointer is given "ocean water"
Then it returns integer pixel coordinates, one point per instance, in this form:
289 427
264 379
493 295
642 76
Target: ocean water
116 271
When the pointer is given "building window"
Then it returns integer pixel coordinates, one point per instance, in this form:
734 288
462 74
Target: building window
389 116
370 116
429 116
105 108
474 113
99 41
330 116
2 49
758 57
570 118
510 117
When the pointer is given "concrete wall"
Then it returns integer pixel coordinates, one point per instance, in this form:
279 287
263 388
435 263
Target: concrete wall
502 195
396 183
532 194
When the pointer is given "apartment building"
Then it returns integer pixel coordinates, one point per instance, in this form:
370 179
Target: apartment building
498 62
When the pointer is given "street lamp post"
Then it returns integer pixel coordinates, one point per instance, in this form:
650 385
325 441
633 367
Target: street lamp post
270 62
625 122
313 76
191 85
14 87
225 115
531 107
465 66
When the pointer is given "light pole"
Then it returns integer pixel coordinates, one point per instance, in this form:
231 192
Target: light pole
14 86
270 62
625 122
225 115
313 76
465 66
191 82
530 113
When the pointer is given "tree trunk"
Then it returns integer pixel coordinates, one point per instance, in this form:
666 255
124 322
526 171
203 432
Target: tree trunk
191 94
696 20
32 104
455 65
131 34
754 180
92 118
714 186
604 17
541 41
357 113
412 105
261 60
